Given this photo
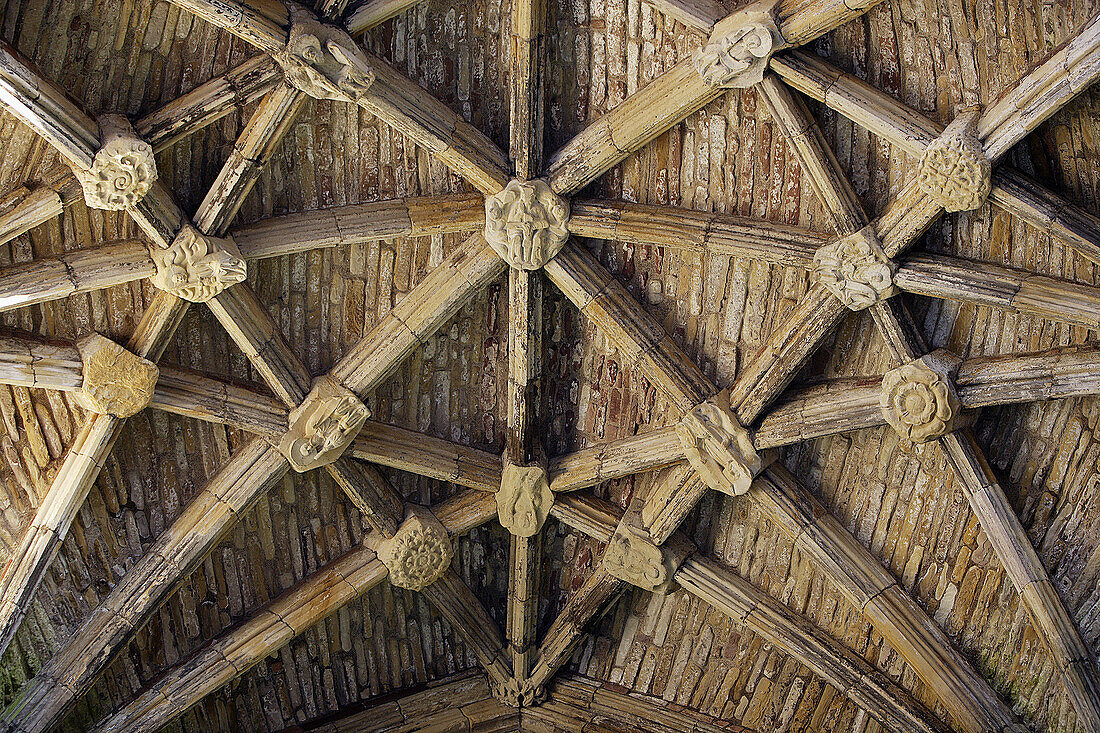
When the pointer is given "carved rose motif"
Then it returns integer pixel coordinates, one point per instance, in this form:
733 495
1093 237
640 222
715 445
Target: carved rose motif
918 399
123 169
116 381
519 693
197 267
855 269
322 426
718 448
524 499
526 223
420 553
323 61
737 52
632 556
953 170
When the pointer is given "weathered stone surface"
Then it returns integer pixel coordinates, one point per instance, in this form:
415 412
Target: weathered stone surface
953 170
524 499
526 223
519 693
116 381
737 52
322 60
123 170
718 447
197 267
855 269
918 399
420 553
323 425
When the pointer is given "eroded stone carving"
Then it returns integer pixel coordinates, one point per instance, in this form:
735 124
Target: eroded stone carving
526 223
919 400
953 170
322 426
197 267
737 52
323 61
420 553
632 556
519 693
855 269
524 499
718 448
123 169
116 381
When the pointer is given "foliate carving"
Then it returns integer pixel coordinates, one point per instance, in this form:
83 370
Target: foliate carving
123 169
919 400
718 448
526 223
954 170
323 61
420 553
197 267
524 499
322 426
737 52
519 693
116 381
855 269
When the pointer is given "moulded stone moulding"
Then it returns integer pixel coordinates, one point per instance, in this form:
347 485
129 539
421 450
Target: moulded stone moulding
323 426
116 381
519 693
718 448
737 52
323 61
123 169
526 223
918 399
197 267
524 499
420 553
954 170
855 269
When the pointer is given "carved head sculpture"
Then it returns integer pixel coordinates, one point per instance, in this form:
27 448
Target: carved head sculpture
322 426
632 557
737 52
123 169
954 170
855 269
718 448
196 267
116 381
323 61
524 499
420 553
526 223
918 399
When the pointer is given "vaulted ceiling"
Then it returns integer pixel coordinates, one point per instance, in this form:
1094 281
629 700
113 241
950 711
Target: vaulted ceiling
655 365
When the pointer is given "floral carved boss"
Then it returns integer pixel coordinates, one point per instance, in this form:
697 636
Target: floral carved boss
855 269
954 170
420 553
918 399
123 169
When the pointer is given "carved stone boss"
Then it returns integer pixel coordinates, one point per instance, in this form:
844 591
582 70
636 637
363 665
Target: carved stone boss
737 52
524 499
196 267
420 553
322 426
918 399
634 557
855 269
718 448
526 223
518 693
116 381
123 169
953 170
323 61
